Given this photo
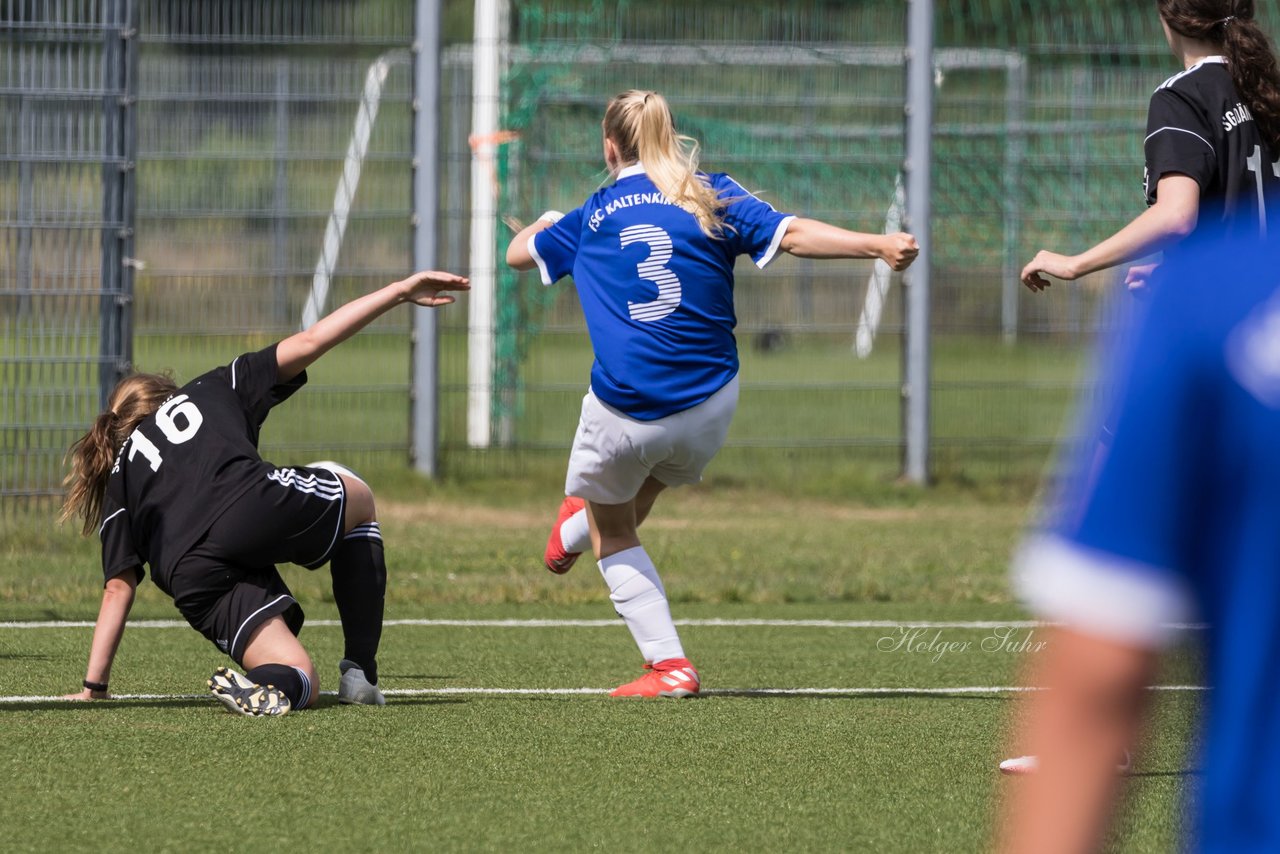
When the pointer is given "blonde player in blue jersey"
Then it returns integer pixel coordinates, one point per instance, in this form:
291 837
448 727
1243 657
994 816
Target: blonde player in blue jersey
652 256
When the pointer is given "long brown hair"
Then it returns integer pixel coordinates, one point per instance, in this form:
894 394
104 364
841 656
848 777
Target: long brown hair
92 456
640 124
1250 56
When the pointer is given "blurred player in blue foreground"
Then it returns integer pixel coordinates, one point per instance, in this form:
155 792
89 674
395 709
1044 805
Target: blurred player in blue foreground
1180 522
1212 157
652 256
171 478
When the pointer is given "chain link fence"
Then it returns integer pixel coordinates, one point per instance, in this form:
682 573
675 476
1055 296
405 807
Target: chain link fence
1040 111
66 200
177 185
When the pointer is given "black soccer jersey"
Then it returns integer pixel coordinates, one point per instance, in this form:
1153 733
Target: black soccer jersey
1198 126
187 462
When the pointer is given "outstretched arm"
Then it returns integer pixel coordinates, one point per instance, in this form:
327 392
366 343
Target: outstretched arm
295 353
117 599
518 256
811 238
1169 220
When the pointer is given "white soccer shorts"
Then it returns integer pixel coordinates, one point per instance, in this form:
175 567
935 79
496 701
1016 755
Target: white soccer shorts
614 453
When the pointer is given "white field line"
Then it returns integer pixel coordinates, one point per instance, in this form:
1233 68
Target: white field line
555 692
589 624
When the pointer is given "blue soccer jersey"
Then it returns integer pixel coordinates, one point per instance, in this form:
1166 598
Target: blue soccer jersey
1181 521
656 292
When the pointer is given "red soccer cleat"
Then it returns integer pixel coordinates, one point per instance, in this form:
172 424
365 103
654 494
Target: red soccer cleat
674 677
556 558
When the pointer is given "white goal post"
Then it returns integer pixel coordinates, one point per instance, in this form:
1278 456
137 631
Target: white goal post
490 56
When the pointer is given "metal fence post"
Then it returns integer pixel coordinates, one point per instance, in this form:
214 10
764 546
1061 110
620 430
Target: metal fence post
280 199
118 191
918 166
425 417
1015 152
26 197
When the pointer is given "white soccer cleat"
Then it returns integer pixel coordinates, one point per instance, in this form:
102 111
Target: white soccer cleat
354 688
1021 765
242 697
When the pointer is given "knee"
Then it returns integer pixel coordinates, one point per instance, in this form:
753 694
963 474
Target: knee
302 662
314 678
360 505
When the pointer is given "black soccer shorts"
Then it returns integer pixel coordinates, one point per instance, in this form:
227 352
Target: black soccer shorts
227 584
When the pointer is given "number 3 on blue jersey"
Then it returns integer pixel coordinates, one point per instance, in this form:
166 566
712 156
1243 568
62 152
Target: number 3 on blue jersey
653 269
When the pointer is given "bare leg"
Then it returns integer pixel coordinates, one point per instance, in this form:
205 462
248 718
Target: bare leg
614 526
273 644
360 506
648 494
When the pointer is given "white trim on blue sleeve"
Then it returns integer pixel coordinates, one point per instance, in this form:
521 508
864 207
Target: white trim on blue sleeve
769 253
1099 593
537 259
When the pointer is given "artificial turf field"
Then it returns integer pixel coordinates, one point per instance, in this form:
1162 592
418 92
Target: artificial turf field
819 732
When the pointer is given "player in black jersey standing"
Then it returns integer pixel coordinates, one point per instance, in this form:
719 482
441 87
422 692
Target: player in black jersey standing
171 477
1212 146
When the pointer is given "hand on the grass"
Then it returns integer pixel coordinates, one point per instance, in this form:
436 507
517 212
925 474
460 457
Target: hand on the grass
425 287
1139 278
899 250
1051 264
86 694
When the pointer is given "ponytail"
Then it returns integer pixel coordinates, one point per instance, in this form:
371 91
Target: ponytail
1251 58
93 455
640 124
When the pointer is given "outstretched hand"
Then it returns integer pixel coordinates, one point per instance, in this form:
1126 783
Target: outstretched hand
1048 263
899 251
1138 279
426 287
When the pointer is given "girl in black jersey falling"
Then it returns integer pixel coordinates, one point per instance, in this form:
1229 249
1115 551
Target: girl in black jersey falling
171 477
1212 146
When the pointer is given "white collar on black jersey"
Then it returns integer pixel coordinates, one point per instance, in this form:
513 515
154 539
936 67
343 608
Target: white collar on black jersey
1208 60
631 171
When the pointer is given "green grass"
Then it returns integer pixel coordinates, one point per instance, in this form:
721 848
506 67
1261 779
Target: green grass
811 415
556 772
714 546
466 772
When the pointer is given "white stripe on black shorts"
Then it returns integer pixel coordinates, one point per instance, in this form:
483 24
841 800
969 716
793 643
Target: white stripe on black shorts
227 584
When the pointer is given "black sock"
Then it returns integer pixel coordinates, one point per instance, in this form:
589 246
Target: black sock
295 685
359 574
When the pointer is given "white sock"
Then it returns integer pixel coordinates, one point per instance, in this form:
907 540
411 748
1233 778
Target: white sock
639 599
575 533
